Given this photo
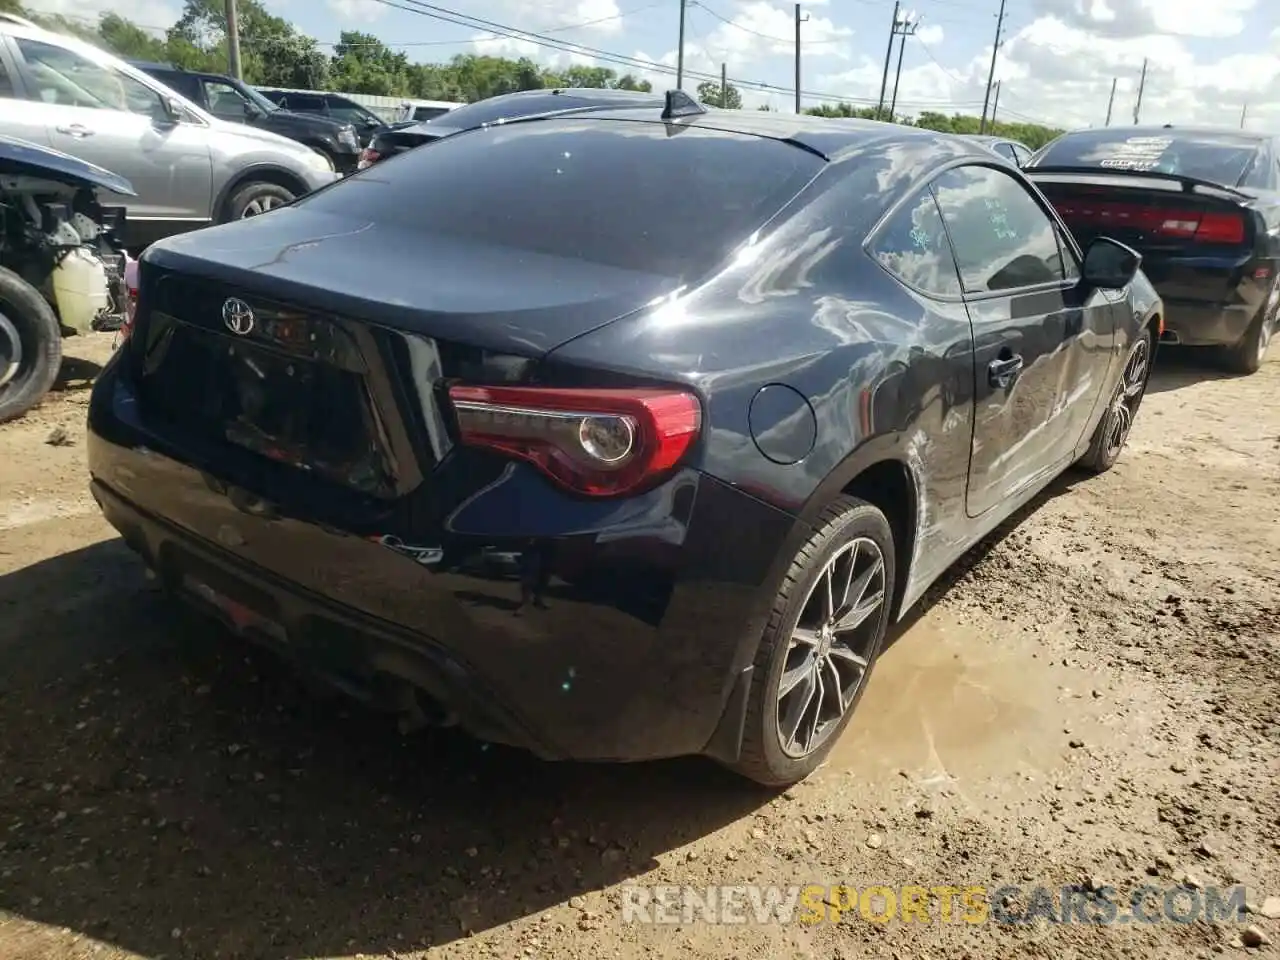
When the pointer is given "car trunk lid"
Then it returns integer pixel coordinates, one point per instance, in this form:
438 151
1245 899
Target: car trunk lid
318 346
1169 219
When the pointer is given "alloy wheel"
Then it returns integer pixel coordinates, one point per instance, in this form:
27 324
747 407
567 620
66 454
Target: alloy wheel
261 205
1270 316
1128 395
830 647
10 352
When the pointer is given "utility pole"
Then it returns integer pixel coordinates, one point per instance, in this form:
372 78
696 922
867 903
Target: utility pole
724 86
1137 104
799 20
991 74
908 29
888 55
995 104
1111 101
233 40
680 51
1244 112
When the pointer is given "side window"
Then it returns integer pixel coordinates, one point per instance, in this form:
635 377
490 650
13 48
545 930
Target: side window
1003 240
1259 173
347 111
226 102
6 83
1005 150
1021 155
61 77
913 246
303 103
1070 266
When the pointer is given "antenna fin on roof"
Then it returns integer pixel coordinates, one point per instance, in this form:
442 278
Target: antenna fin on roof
680 104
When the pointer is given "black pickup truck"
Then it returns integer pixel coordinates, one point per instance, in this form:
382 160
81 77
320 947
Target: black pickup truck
230 99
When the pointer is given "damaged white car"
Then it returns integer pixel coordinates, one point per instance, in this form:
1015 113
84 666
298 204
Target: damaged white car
62 264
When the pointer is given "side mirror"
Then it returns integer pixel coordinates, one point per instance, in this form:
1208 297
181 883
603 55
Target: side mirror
167 113
1110 265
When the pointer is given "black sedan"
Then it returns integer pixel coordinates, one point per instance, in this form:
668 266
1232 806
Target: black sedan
508 106
1203 208
616 436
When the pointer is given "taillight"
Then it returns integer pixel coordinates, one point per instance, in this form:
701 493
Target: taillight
1172 224
368 157
596 442
1221 228
130 300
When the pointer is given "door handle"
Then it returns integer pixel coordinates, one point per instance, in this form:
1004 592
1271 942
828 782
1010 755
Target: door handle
1004 370
76 130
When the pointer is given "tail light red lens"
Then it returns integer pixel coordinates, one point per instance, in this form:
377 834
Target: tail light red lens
600 443
1225 228
131 298
368 157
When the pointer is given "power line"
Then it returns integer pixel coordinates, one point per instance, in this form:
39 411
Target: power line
929 53
634 63
756 33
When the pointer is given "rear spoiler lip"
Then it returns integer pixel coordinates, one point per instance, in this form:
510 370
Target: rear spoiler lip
1131 178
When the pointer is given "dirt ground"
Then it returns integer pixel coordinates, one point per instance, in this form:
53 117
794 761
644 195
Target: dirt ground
1093 698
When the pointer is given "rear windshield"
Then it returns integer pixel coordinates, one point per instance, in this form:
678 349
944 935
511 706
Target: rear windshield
1217 158
636 195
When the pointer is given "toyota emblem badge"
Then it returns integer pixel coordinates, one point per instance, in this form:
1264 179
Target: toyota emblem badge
238 316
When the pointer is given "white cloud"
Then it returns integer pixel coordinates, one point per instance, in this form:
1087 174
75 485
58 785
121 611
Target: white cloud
356 11
1055 71
1136 18
760 29
930 34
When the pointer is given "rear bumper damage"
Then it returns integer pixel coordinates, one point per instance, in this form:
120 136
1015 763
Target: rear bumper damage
576 630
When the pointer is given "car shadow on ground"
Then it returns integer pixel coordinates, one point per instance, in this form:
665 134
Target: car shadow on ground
76 374
166 788
1179 367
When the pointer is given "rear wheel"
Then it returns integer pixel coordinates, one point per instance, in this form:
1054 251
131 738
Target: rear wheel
820 645
1113 429
30 346
1247 355
257 198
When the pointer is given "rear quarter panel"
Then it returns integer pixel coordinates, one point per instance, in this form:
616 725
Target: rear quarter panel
860 369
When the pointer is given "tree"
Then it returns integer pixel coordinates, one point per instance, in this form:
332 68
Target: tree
364 64
598 77
709 92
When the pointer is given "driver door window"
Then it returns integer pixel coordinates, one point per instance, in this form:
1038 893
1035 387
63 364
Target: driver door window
226 102
1002 239
60 77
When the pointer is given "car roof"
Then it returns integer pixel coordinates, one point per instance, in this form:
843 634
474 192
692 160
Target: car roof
833 138
149 67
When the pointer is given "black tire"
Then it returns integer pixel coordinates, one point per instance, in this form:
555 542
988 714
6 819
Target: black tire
27 317
843 523
256 196
1247 355
1113 428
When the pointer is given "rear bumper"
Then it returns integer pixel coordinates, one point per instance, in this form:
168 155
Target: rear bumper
651 610
1202 324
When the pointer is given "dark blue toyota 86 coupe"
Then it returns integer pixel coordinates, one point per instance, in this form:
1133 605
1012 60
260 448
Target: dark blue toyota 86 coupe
617 436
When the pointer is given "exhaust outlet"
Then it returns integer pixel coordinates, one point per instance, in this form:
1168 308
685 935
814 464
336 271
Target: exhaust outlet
1170 336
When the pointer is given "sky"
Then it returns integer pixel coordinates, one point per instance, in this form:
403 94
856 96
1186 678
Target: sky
1208 62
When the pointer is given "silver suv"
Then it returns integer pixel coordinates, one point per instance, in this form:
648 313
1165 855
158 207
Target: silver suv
189 168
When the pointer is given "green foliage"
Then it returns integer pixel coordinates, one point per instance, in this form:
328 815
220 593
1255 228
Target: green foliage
1033 135
730 97
273 53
